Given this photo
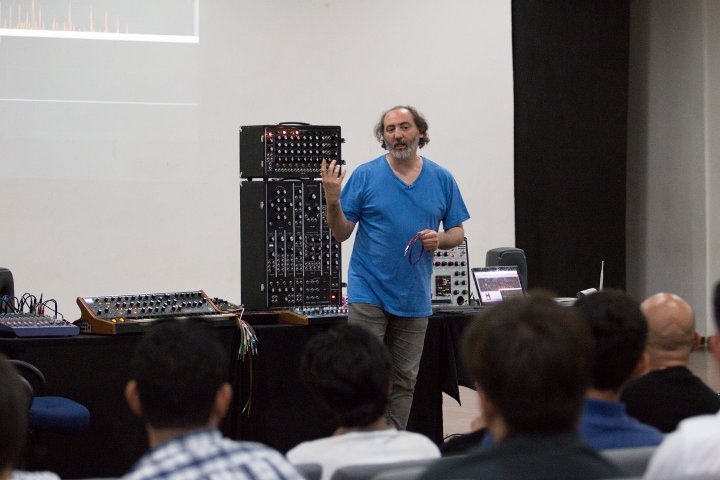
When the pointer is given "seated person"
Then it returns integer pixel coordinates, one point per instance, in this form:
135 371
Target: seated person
459 443
14 404
179 386
691 451
670 392
530 359
350 372
620 332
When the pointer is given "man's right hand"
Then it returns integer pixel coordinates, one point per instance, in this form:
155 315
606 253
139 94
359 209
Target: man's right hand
332 176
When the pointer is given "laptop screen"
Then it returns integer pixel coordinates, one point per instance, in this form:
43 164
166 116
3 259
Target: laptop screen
495 284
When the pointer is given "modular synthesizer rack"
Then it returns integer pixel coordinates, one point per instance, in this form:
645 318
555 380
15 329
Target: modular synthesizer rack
450 284
288 255
287 150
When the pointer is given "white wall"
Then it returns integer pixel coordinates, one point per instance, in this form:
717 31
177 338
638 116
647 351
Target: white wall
119 160
673 162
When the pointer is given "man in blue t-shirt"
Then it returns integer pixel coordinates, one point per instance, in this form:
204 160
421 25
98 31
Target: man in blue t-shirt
399 200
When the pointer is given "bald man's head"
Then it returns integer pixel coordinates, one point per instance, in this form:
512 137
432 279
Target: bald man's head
671 329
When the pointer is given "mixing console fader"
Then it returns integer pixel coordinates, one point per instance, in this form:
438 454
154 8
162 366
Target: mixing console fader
451 276
287 150
288 255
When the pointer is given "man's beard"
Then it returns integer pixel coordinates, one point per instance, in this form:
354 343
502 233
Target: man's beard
408 152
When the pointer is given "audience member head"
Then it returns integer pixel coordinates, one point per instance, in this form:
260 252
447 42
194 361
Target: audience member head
531 360
671 330
620 333
420 123
14 405
179 375
349 370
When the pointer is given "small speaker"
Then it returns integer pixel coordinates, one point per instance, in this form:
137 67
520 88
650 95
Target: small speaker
508 256
7 289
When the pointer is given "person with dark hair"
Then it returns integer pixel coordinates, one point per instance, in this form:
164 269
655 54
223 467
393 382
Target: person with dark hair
179 386
620 332
669 392
15 398
530 359
399 200
14 404
691 451
349 371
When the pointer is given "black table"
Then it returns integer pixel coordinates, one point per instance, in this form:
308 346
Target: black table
94 369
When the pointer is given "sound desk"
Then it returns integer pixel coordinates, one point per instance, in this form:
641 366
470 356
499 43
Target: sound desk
35 325
117 314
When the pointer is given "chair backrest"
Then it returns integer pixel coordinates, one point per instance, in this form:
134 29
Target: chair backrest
402 473
50 413
32 377
632 461
366 472
311 471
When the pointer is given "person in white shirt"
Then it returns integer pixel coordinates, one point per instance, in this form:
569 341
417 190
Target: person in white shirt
692 450
349 370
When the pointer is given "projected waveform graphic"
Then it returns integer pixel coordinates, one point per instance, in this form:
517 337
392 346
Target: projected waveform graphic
138 20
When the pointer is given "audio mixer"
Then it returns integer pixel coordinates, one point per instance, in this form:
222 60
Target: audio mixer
34 325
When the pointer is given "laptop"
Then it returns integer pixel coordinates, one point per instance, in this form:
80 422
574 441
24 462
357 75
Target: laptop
495 284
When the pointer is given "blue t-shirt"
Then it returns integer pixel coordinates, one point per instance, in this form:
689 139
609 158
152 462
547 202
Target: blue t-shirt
389 213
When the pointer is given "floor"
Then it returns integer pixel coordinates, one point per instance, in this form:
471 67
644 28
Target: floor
457 418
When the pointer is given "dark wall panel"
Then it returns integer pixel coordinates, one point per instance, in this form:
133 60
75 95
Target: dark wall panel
570 62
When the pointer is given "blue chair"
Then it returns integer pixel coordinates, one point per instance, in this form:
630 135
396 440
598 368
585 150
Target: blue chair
50 413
